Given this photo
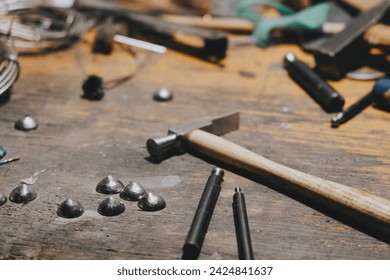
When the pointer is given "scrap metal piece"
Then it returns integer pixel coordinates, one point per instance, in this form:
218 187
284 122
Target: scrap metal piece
132 192
109 185
3 199
111 206
70 209
151 202
365 74
26 123
22 194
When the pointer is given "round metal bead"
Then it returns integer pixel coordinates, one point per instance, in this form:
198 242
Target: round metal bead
26 123
3 199
22 194
163 95
111 207
70 209
109 185
133 192
151 202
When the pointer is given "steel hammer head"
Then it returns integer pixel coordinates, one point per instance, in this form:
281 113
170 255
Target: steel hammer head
160 148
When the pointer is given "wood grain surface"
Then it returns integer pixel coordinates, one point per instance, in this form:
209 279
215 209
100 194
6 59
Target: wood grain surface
79 142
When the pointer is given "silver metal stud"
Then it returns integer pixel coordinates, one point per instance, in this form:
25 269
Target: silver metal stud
109 185
22 194
70 209
151 202
163 95
111 206
26 123
133 192
3 199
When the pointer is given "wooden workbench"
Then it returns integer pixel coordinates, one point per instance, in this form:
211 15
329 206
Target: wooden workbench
79 142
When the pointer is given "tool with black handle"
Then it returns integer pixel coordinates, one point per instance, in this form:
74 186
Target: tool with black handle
326 96
380 95
241 224
202 217
206 44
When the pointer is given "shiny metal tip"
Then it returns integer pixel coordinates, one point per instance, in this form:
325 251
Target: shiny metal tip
336 121
218 171
290 57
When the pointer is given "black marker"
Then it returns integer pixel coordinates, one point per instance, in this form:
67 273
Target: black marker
200 223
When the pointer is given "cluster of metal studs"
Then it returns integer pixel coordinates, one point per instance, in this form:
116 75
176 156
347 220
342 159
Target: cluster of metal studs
110 206
113 206
133 191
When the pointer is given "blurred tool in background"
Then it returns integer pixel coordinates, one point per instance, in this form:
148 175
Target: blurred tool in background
9 69
225 8
380 95
343 36
40 29
326 96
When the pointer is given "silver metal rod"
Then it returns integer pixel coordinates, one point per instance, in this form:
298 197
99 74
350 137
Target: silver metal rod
140 44
4 161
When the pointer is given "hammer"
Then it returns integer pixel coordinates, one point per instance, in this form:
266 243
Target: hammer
370 212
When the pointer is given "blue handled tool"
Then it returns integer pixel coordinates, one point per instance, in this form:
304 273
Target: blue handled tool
3 152
380 94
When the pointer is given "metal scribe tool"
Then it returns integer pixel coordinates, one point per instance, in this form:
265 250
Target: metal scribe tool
380 91
203 213
241 224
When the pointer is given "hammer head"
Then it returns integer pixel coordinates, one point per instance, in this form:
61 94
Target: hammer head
163 147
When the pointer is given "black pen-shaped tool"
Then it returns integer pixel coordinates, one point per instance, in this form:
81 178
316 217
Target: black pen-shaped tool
380 94
200 223
244 243
326 96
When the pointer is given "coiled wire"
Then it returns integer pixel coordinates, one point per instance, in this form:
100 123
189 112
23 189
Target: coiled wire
9 67
30 27
39 29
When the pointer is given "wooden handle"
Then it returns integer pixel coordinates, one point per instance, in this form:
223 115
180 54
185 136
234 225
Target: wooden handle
227 24
367 210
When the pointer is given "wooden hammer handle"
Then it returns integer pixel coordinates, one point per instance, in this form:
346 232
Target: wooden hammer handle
357 206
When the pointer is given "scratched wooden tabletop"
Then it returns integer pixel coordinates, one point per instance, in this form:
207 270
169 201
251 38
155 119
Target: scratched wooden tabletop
79 142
